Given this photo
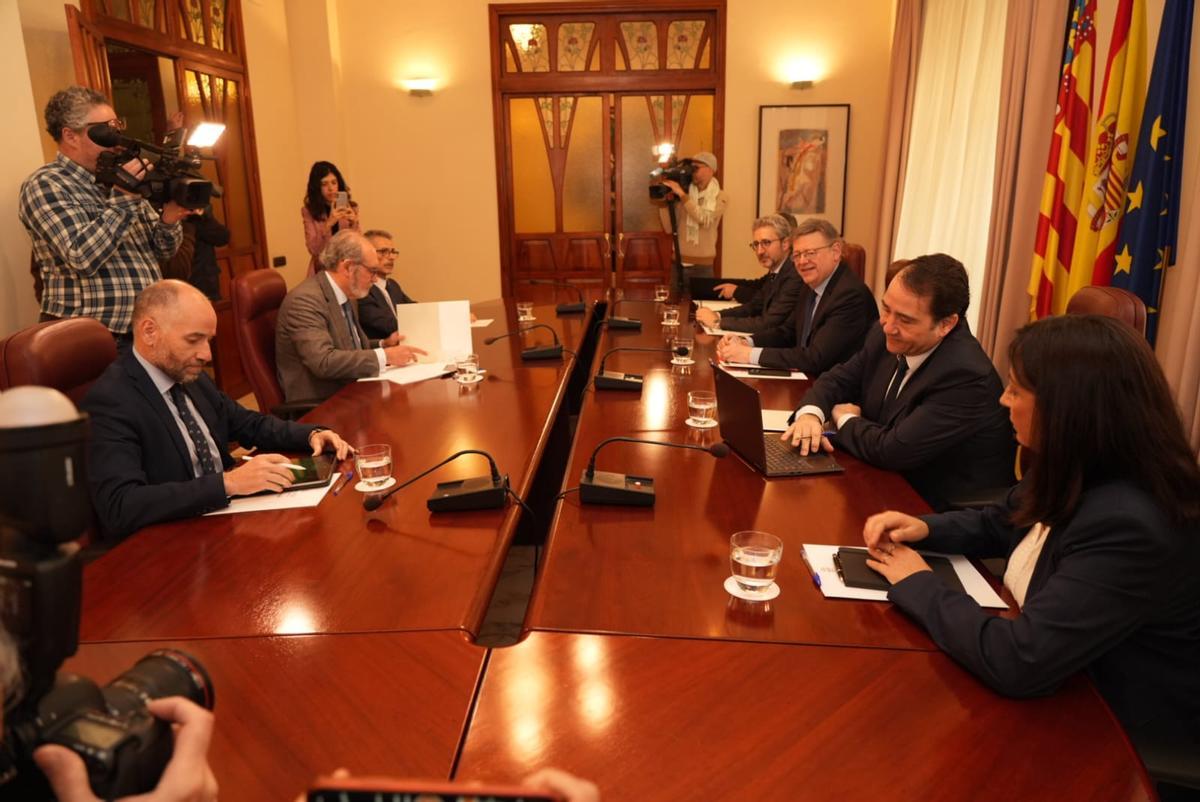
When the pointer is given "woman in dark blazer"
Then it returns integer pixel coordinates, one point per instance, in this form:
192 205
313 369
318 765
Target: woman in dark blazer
1102 537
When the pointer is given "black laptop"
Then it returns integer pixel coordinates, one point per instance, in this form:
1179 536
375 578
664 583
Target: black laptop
739 412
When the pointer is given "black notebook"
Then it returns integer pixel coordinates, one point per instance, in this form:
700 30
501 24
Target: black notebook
853 569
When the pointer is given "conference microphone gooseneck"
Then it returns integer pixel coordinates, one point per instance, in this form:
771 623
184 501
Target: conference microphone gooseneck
473 493
617 322
576 308
615 380
604 487
535 352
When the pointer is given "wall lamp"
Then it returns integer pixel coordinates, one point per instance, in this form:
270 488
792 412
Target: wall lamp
419 87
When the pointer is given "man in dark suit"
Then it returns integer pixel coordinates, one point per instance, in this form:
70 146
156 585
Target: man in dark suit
160 428
921 397
319 344
773 297
831 319
377 311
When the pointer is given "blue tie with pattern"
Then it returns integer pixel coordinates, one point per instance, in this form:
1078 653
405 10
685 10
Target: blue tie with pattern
203 454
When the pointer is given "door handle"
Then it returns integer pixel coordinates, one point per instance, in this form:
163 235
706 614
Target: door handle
607 245
620 241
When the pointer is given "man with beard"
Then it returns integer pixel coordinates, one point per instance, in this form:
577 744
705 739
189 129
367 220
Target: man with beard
159 425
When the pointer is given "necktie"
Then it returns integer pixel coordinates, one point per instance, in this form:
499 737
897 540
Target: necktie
203 454
350 325
810 308
897 380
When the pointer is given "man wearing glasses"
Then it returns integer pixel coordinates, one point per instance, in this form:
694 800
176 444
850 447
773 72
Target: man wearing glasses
377 311
96 247
772 297
829 322
319 343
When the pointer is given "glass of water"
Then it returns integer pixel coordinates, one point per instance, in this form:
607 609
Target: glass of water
670 316
466 369
661 292
524 311
702 409
682 346
374 466
754 561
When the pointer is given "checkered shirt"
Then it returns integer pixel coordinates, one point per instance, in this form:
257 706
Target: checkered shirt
96 248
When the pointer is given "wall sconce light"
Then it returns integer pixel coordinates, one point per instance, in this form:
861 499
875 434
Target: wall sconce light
664 151
803 84
419 87
803 72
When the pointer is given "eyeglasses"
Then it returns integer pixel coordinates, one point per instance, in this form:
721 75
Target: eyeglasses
386 252
762 243
117 123
811 252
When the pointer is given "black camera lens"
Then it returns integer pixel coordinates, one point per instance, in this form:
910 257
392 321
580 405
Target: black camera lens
163 672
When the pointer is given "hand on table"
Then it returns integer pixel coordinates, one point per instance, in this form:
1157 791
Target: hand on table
733 349
706 316
806 434
726 290
329 440
886 528
896 562
400 355
262 472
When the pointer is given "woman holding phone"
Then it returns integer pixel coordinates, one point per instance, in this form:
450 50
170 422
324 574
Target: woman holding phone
327 209
1102 537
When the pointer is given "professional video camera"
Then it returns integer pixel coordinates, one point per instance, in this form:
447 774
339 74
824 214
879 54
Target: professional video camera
45 505
678 170
172 170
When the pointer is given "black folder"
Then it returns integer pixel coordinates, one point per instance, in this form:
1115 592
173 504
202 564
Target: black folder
852 566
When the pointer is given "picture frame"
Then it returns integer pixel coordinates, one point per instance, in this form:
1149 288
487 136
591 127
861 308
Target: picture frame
802 160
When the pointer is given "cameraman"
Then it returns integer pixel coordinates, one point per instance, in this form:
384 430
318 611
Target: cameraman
96 247
187 778
703 205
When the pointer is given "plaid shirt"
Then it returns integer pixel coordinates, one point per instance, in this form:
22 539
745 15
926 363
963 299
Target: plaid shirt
96 248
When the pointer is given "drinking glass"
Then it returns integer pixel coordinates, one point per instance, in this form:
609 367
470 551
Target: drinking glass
374 465
661 292
670 316
466 369
702 409
754 561
686 344
524 311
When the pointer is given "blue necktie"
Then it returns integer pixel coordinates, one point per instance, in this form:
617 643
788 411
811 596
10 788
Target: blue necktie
203 454
350 324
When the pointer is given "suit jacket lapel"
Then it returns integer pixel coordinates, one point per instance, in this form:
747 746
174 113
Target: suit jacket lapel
826 297
141 380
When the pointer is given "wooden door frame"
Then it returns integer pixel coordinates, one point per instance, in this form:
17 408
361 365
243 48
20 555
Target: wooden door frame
629 82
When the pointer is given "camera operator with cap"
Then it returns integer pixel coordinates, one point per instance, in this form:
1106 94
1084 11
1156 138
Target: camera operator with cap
703 205
96 247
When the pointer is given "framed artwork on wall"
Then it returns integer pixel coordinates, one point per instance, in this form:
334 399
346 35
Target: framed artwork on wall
802 161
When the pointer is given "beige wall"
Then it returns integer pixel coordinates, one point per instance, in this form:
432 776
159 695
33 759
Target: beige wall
48 48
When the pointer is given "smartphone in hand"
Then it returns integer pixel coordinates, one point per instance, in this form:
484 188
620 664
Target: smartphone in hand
342 201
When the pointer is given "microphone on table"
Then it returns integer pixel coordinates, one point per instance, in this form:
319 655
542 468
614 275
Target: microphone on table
473 493
604 487
537 351
563 309
614 380
616 322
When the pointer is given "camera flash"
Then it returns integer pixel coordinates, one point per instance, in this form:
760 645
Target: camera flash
664 152
206 135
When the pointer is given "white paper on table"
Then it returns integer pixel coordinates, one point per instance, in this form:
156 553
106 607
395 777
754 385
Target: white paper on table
483 323
410 374
744 373
723 332
717 306
821 558
775 420
442 329
293 500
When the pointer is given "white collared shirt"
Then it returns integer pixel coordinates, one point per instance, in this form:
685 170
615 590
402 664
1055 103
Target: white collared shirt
163 383
756 353
341 299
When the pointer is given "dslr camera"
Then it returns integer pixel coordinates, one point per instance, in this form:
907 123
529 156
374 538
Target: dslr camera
124 747
172 169
678 170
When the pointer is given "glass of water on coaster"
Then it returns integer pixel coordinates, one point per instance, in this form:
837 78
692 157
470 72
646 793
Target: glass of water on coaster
374 466
466 369
670 316
661 292
524 311
754 562
702 409
682 346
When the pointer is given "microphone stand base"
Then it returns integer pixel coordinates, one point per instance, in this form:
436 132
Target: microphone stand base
624 323
611 380
570 309
474 493
617 489
542 352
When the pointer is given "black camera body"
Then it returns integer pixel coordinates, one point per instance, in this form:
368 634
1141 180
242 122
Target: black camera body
175 175
125 748
680 171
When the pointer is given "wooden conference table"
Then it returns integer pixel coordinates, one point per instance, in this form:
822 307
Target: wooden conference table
340 638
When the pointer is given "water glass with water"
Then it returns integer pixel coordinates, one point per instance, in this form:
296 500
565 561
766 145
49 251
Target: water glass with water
702 409
661 292
524 310
466 368
670 316
754 560
374 465
682 344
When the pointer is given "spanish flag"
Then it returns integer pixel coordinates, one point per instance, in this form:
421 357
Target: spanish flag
1065 168
1146 246
1110 153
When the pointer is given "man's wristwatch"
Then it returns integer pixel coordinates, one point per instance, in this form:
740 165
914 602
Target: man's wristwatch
314 431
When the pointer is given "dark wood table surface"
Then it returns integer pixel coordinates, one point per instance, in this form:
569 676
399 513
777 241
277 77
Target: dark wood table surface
651 718
291 708
660 570
336 567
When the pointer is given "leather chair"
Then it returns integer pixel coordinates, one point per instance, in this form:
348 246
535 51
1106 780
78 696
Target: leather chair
1111 302
855 257
68 355
894 269
257 295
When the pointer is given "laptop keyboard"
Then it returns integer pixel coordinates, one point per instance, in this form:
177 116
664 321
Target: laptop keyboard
783 459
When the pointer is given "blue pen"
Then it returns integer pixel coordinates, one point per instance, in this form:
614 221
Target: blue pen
816 578
345 480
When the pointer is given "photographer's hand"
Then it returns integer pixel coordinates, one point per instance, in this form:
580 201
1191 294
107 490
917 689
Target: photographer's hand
186 779
172 212
674 187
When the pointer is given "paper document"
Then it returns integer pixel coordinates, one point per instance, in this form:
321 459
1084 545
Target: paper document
775 420
832 587
441 329
294 500
744 373
410 374
482 323
722 332
716 306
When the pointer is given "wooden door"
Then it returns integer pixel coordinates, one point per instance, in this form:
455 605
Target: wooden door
88 53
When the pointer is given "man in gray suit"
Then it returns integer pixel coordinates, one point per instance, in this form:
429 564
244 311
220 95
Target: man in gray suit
319 344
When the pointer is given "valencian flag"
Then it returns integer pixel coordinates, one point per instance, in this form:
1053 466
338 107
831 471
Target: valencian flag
1110 156
1146 245
1065 169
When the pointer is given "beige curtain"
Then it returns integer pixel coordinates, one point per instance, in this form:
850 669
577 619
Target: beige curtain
1033 50
906 53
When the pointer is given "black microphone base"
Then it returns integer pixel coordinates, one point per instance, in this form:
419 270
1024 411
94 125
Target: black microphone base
624 323
612 380
619 489
542 352
570 309
475 493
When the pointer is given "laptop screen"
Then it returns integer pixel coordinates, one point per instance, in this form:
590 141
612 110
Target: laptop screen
739 411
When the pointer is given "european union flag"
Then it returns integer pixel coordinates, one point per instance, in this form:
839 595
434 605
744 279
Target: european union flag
1146 244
